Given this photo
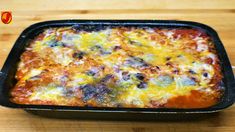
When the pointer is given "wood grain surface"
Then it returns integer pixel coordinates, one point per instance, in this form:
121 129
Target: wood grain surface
219 14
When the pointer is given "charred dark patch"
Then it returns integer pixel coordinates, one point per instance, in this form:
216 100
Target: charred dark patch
53 45
142 85
191 71
100 49
170 64
136 62
96 47
90 73
194 79
117 48
104 52
107 78
89 92
176 71
35 77
89 28
126 76
140 76
205 74
168 58
94 91
158 68
102 67
69 93
134 43
78 55
179 56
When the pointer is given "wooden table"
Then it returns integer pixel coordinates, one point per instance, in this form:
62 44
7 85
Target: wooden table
220 14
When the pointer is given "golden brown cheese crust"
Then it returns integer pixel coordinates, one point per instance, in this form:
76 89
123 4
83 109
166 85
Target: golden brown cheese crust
120 67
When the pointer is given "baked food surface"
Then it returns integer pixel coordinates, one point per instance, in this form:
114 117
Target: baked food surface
119 67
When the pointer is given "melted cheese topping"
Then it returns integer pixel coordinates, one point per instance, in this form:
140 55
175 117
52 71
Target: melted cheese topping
128 67
48 93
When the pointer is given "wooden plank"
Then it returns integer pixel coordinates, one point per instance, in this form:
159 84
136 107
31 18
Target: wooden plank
22 121
15 5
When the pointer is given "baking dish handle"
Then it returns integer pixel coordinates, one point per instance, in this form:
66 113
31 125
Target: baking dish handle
2 79
3 99
233 83
233 86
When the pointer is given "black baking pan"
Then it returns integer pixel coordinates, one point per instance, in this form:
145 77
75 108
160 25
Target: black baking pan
9 69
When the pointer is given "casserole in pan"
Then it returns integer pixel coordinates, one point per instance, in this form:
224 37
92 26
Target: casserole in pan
118 66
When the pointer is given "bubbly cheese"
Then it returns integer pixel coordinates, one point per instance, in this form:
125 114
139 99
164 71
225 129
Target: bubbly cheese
49 93
32 73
